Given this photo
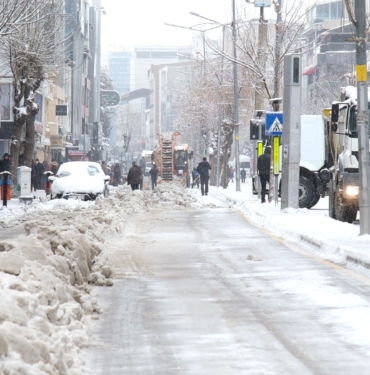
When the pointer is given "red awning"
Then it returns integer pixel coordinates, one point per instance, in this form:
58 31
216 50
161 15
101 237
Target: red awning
309 70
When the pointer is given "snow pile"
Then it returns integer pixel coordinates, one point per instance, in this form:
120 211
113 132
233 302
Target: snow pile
45 302
173 195
45 305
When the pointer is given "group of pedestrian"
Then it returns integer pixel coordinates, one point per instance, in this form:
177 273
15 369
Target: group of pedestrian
38 176
135 176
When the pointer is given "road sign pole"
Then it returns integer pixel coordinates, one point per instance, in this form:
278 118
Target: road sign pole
291 139
276 166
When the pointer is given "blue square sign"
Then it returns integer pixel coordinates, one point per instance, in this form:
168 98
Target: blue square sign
274 123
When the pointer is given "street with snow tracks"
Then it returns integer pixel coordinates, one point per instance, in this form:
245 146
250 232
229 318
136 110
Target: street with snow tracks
203 291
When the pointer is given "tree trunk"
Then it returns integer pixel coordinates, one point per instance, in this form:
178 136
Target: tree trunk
30 140
213 162
15 147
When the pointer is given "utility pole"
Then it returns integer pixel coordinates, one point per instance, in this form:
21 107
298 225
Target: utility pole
362 117
291 139
279 4
220 112
236 103
273 186
259 104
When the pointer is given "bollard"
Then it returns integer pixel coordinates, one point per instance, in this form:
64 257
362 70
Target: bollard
5 187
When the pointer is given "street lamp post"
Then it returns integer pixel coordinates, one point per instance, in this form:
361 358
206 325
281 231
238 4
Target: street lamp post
236 104
236 92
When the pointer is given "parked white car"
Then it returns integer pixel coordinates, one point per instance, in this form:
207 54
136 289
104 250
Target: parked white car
82 179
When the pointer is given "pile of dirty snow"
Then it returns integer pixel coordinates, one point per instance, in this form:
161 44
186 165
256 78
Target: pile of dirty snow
45 302
45 275
175 196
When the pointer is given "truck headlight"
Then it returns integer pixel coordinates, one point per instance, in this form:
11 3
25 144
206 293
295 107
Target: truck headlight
352 190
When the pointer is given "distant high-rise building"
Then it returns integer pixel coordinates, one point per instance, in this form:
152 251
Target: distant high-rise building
145 56
118 64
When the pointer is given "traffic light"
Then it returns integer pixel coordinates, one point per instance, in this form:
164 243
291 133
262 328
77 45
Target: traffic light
254 129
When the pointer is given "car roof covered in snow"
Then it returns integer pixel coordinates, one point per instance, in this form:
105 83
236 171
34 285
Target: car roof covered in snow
73 166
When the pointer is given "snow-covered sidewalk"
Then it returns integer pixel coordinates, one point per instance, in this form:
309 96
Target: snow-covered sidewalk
312 230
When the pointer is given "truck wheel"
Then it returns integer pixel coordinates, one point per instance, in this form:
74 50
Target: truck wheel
346 214
316 199
306 192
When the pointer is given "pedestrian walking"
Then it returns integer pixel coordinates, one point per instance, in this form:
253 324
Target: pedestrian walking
203 170
195 178
104 167
116 174
5 163
154 175
135 176
37 174
231 174
243 175
263 168
53 167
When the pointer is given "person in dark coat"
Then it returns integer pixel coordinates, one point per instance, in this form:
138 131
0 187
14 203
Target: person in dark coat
116 174
5 163
135 176
37 173
195 177
104 167
231 174
263 167
243 175
203 170
154 175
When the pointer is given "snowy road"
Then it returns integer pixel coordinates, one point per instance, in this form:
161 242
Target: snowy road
204 292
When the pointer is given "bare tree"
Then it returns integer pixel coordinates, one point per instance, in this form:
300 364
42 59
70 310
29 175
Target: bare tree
17 13
266 65
129 118
205 108
105 110
33 53
327 86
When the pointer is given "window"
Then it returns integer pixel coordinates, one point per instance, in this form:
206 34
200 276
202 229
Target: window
38 101
5 109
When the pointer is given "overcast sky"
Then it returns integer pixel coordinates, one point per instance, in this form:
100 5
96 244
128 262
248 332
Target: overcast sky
138 22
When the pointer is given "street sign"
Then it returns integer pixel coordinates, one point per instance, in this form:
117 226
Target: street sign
61 110
109 98
262 3
274 123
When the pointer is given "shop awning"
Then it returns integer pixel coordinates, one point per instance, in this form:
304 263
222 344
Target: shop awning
309 70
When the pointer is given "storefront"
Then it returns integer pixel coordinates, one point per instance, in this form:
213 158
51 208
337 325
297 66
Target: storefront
74 154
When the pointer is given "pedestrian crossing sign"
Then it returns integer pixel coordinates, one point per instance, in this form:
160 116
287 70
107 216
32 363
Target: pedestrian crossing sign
274 123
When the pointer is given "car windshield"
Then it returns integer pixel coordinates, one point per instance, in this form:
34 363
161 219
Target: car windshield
92 170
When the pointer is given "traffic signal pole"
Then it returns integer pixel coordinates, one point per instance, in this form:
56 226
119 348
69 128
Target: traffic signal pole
362 117
236 104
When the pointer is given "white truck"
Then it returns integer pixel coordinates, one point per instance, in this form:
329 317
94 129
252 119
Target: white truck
313 172
342 157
